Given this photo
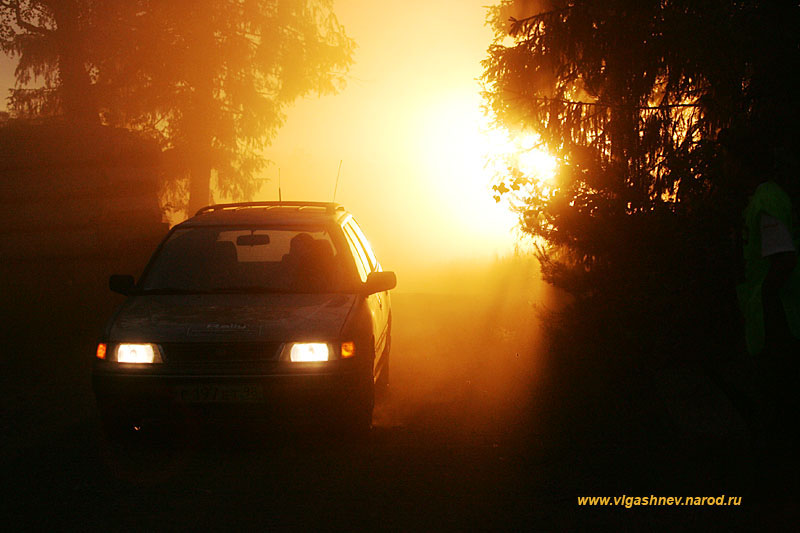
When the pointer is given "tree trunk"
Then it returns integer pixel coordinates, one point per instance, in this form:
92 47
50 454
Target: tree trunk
199 123
75 87
199 188
200 146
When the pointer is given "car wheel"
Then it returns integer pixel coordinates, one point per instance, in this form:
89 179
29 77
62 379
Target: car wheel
359 427
358 423
118 430
382 383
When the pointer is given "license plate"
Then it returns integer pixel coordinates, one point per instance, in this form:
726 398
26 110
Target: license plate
210 393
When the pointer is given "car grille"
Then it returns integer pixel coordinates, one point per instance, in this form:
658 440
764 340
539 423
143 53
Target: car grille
201 352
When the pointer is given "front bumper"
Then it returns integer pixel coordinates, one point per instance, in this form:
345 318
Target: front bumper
286 390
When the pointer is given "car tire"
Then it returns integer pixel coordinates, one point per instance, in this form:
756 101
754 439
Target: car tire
118 427
118 430
382 383
358 423
359 427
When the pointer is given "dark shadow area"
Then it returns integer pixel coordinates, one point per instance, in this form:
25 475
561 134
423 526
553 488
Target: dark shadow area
76 205
658 397
482 428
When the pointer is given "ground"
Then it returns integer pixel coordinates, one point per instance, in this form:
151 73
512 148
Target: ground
478 432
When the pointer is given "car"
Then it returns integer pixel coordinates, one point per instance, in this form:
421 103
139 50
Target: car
249 310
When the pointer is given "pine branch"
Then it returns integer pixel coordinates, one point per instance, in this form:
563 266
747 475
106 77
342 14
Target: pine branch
539 16
616 106
22 22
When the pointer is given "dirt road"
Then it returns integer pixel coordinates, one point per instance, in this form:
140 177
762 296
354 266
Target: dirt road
460 443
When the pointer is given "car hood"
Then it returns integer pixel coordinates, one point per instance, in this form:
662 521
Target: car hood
230 317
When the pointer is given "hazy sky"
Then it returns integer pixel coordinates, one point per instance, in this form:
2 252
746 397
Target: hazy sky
408 131
407 128
6 79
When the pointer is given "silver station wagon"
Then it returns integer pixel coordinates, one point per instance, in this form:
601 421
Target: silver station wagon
250 309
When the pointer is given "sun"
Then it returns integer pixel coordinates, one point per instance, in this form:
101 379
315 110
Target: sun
465 154
532 161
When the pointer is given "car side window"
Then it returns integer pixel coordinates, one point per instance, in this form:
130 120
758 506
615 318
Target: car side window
358 254
365 244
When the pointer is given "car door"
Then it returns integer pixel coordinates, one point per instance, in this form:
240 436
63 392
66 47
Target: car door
383 297
376 303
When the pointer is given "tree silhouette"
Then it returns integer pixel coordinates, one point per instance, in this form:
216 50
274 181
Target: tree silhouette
647 104
662 114
48 36
210 80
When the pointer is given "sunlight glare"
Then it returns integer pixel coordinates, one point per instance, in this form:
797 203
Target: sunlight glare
534 162
466 154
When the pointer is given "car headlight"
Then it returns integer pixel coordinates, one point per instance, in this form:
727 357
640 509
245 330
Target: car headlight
306 352
138 353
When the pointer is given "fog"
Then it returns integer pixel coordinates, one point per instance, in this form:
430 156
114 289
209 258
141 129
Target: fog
409 131
405 129
497 410
467 353
410 135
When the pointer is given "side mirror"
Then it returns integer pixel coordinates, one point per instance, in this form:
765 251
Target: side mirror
121 283
380 282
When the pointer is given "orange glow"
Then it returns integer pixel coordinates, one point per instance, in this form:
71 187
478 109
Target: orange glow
101 351
348 349
455 148
532 161
468 152
419 155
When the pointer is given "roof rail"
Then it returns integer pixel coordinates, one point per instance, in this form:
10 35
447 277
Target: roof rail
330 207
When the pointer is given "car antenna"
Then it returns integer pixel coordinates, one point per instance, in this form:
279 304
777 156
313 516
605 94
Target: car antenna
279 185
337 180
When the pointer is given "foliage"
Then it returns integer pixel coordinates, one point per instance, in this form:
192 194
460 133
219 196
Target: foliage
48 37
663 114
210 80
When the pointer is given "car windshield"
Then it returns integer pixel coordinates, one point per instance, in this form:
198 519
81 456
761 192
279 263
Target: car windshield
226 259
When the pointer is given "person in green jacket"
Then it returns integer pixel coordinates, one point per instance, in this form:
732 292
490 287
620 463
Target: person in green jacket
770 299
770 295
